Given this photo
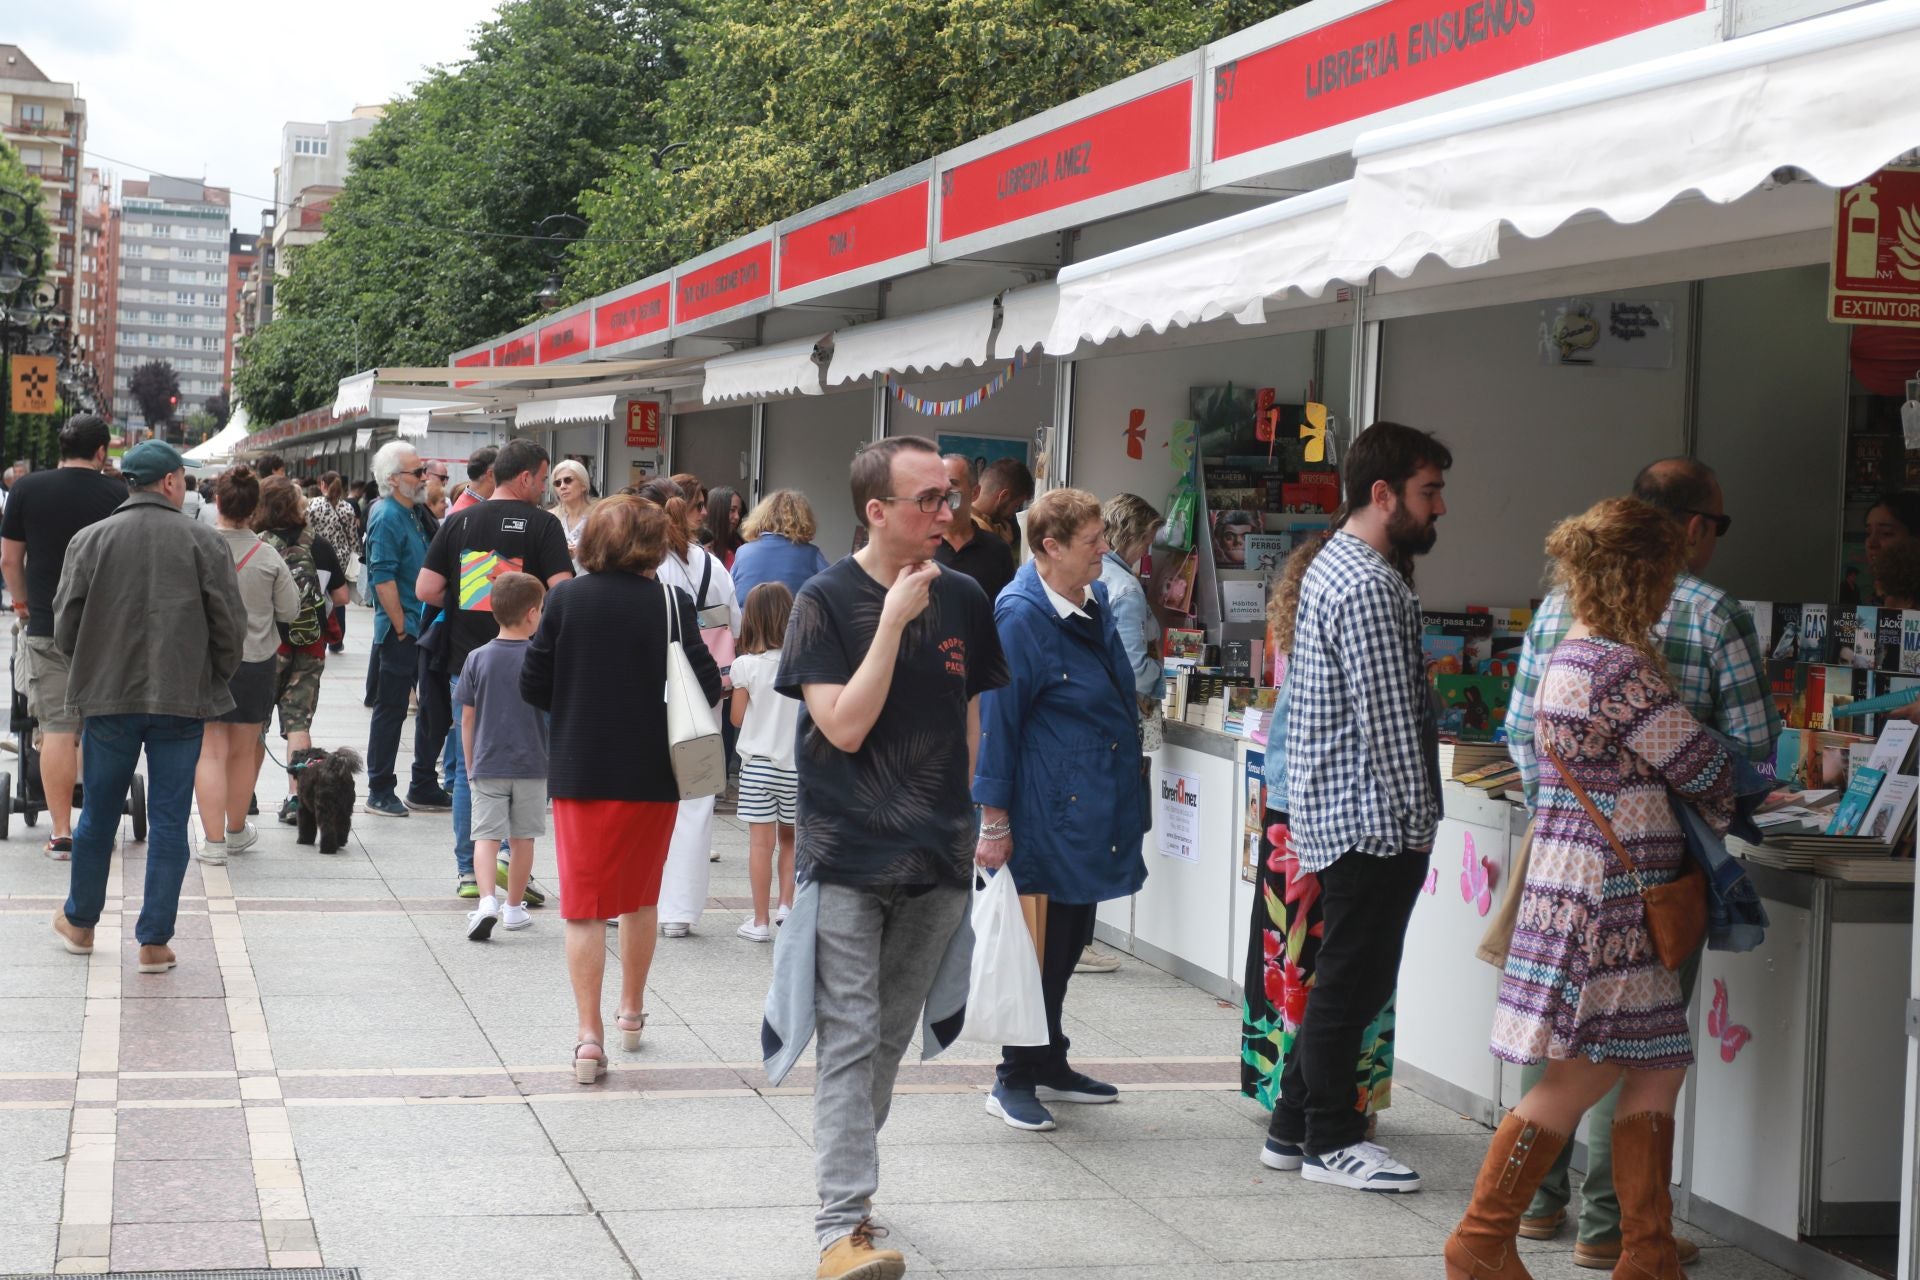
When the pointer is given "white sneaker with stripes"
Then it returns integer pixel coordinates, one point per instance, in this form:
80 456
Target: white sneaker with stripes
1364 1166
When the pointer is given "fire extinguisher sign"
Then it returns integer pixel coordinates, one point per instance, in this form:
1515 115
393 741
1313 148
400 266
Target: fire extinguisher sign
1876 251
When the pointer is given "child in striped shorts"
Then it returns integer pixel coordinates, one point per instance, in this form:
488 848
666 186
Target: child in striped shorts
769 787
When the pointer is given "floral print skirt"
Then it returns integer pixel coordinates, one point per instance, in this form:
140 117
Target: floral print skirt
1282 950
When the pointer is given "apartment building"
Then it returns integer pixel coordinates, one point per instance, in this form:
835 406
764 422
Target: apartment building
94 285
172 281
315 159
46 122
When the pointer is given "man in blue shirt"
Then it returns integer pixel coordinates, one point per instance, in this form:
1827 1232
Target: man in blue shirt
395 550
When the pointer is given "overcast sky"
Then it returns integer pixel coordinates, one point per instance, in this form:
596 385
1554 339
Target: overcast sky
201 89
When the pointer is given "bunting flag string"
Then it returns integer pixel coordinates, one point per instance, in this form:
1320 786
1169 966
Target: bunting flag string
972 400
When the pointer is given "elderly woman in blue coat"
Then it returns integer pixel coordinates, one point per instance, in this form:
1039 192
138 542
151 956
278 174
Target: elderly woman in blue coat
1062 801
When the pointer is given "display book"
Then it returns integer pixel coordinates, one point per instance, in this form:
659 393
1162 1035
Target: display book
1821 658
1844 806
1471 659
1226 687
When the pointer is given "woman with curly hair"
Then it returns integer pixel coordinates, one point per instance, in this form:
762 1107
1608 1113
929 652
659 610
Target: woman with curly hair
1283 945
1584 990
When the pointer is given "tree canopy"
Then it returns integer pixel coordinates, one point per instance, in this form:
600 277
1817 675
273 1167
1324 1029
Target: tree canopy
155 387
670 126
34 235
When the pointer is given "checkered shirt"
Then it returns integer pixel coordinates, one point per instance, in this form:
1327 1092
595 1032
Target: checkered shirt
1361 770
1713 658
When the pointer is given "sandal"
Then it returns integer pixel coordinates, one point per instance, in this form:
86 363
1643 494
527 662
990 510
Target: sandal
631 1025
587 1070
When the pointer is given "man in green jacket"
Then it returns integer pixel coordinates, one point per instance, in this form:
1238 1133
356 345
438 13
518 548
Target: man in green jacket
149 612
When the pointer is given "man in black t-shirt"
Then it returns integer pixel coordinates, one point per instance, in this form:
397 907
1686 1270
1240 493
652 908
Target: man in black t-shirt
966 546
889 652
507 533
44 511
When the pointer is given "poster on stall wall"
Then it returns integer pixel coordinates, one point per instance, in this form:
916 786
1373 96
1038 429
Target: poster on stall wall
1607 333
1176 823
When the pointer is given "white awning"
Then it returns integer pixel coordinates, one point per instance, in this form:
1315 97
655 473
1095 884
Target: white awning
1819 95
924 343
531 413
760 372
224 442
1026 318
1224 268
413 424
354 395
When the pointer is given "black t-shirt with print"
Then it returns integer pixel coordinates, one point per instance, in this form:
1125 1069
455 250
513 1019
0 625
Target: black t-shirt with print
476 545
899 811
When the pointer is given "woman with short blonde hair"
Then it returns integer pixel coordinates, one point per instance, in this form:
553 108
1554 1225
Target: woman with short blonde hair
779 546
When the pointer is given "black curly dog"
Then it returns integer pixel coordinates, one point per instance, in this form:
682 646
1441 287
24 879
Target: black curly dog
325 783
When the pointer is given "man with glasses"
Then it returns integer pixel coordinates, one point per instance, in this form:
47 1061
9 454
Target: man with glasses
1719 673
395 550
889 654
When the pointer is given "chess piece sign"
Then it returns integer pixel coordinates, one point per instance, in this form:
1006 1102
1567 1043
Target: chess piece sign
1876 251
33 389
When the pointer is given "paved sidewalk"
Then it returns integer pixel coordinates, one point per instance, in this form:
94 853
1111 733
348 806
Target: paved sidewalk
335 1075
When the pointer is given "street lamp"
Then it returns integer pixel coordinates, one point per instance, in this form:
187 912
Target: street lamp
557 230
26 305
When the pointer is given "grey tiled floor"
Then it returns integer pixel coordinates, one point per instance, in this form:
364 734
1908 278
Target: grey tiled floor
415 1153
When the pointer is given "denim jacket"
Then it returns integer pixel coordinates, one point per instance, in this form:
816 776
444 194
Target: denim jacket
1736 918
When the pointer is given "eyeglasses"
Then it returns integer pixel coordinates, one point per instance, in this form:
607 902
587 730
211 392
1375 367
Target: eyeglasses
416 473
931 502
1720 523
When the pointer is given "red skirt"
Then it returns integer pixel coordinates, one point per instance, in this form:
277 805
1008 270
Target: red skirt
610 854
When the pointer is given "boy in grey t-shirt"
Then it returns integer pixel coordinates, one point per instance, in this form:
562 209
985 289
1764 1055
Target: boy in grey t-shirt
505 740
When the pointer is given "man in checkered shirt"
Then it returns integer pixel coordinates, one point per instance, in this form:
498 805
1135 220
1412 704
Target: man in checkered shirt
1363 787
1719 674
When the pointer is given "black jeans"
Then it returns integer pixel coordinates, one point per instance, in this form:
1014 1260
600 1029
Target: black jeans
1366 903
430 727
398 665
1069 930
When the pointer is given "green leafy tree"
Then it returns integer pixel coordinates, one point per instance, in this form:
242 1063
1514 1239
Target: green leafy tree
198 428
788 103
426 247
24 233
219 408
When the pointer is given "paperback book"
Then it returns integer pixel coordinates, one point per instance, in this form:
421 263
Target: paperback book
1473 707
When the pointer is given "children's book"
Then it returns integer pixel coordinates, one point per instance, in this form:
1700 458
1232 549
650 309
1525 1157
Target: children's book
1476 629
1189 643
1474 708
1445 655
1855 803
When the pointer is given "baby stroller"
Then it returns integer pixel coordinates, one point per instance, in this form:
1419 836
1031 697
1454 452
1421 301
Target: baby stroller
30 798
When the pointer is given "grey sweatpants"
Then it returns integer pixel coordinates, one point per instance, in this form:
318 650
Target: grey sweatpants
876 954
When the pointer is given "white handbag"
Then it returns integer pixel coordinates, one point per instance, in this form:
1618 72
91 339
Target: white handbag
694 746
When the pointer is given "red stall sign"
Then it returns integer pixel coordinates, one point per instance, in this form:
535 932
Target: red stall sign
732 281
643 424
876 231
1405 50
637 315
518 351
477 360
1124 146
562 338
1876 251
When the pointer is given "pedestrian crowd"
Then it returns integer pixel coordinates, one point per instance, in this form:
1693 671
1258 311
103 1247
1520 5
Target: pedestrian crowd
974 691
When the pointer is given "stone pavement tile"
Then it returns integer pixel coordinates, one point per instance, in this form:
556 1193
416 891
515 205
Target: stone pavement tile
1212 1167
189 1133
423 1049
333 929
1174 1037
30 1193
319 972
351 1015
21 1014
29 1249
917 1119
67 977
246 868
176 1051
386 1247
1321 1222
138 1089
1186 1270
942 1173
1445 1162
187 1246
1093 1002
173 1014
733 1041
506 1131
1413 1114
196 1191
263 887
739 1244
524 1045
1146 1115
643 1124
1014 1233
40 1050
28 1137
714 1178
441 1184
446 1084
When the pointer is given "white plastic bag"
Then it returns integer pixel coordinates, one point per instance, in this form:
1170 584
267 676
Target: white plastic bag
1004 1003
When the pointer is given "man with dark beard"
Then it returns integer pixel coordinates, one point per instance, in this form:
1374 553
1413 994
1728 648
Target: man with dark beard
1363 782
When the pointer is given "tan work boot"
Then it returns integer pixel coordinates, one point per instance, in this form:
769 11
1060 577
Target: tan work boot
1606 1255
1483 1246
76 940
156 959
1643 1179
853 1257
1545 1227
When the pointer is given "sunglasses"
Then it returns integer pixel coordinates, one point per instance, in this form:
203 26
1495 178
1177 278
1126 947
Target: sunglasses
416 473
1720 523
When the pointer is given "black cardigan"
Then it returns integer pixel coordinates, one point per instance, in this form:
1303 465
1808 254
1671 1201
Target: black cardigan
599 664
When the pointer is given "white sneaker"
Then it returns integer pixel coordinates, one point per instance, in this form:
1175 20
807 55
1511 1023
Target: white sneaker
675 929
754 932
516 917
781 912
1364 1166
481 919
244 839
213 853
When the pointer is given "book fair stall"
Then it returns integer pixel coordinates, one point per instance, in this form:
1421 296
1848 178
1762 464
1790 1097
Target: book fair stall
1192 285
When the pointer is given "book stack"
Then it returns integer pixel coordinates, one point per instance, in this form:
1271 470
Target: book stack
1460 758
1847 807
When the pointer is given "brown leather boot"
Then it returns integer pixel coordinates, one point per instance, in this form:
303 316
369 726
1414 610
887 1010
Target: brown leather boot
1482 1246
1643 1179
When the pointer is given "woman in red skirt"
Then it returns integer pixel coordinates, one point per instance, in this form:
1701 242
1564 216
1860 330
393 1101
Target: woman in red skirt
599 665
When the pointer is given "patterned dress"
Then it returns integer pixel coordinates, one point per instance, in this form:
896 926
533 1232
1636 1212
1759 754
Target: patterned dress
1582 978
